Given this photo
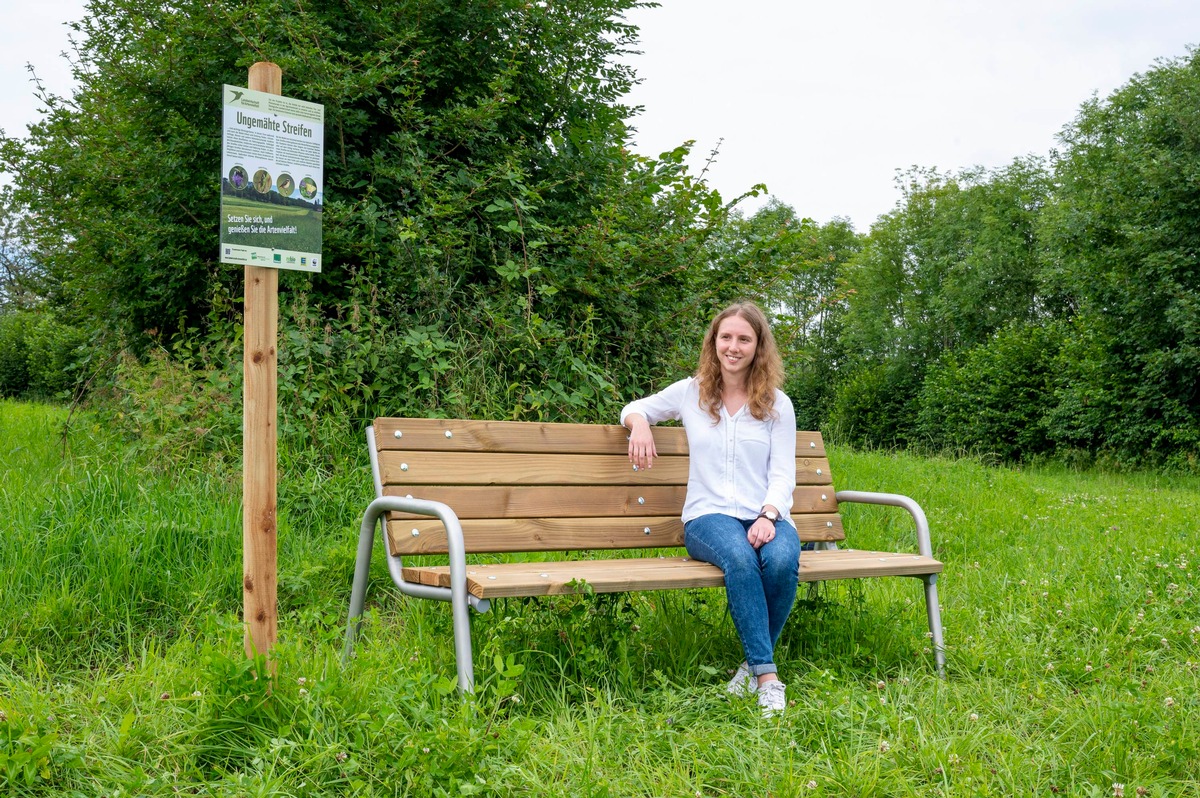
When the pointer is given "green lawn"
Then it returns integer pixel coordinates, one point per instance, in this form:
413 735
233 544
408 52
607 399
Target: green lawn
1069 603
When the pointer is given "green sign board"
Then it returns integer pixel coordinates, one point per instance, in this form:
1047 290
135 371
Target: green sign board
272 180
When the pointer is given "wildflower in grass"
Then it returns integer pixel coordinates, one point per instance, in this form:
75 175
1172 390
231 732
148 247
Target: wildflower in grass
1164 643
1170 702
812 784
1050 666
197 694
303 691
1142 791
342 756
884 747
973 717
302 681
1118 790
425 750
1088 667
880 684
164 697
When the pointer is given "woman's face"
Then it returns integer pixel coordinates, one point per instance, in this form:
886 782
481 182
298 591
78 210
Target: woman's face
736 344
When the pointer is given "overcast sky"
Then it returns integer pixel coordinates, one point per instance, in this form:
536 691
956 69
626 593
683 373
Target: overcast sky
823 102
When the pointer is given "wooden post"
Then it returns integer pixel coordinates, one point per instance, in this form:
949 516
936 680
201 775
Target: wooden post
259 433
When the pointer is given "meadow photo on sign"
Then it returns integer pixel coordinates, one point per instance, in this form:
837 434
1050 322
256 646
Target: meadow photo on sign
267 219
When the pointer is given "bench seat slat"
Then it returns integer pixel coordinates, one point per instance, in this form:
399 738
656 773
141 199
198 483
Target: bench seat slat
501 580
572 534
531 436
488 468
580 501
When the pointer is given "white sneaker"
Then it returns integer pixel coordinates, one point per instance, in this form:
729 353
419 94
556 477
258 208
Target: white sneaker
743 682
772 697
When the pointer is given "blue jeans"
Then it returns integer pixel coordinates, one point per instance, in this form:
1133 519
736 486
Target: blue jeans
760 585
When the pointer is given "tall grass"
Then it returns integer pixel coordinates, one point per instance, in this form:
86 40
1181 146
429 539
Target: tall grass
1068 599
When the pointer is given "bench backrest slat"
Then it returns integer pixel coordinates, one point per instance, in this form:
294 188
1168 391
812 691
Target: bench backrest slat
528 486
429 434
423 536
552 501
486 468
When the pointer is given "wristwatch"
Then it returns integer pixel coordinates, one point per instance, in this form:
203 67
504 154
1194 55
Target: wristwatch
770 515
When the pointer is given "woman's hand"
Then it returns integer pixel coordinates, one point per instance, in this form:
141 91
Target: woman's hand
641 441
760 532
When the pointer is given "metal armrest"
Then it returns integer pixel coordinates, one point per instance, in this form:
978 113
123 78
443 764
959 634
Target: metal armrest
894 500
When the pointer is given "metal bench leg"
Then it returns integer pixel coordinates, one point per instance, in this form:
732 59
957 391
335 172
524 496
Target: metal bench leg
358 592
462 642
935 623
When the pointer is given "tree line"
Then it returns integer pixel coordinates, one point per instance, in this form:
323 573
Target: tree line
497 250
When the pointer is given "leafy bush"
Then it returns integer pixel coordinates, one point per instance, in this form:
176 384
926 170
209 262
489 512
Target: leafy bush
993 397
14 361
876 406
39 356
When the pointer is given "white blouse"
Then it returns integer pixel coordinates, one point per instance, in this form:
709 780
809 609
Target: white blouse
738 464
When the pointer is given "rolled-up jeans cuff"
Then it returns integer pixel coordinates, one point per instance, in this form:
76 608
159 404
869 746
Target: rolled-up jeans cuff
759 670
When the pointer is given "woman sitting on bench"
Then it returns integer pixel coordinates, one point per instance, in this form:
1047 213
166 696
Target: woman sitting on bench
741 432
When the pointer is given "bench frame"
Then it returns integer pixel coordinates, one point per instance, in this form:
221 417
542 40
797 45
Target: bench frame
462 601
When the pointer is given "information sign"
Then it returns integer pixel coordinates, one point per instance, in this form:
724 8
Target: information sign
272 180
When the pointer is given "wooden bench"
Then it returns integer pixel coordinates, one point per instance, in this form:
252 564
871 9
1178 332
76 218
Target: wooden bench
456 487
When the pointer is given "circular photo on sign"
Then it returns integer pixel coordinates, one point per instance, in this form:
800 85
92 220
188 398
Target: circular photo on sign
262 181
238 177
285 185
308 188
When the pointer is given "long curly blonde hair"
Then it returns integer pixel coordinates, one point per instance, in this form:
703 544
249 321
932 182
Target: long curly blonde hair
766 370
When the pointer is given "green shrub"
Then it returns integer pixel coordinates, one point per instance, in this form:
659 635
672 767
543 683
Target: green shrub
14 364
993 397
54 353
876 406
39 356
